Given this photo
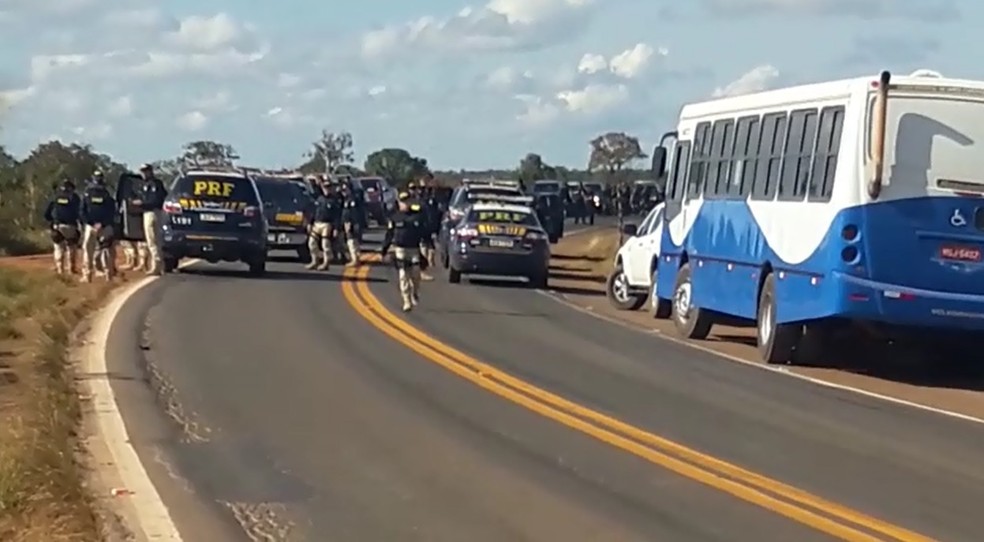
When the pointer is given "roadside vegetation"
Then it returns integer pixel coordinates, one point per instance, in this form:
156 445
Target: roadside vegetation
42 484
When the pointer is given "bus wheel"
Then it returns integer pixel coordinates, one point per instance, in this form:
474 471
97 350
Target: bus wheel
776 342
691 322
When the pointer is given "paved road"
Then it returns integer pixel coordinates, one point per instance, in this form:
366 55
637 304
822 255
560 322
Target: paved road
293 409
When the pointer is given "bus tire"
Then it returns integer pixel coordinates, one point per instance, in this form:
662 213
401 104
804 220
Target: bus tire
776 342
691 322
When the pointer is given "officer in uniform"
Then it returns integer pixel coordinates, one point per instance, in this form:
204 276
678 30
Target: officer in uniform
98 217
351 220
405 230
321 233
62 215
151 194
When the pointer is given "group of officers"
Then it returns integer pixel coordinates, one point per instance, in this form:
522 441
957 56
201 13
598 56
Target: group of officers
340 216
92 221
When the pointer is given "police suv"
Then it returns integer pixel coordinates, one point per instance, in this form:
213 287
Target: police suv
498 238
215 216
287 207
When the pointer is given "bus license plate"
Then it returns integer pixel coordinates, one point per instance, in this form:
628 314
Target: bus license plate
208 217
501 243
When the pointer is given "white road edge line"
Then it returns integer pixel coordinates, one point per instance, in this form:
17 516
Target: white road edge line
558 297
150 512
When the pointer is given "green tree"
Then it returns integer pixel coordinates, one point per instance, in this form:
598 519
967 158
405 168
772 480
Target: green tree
208 154
532 168
612 152
396 165
329 152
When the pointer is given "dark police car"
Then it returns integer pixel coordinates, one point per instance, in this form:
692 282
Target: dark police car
215 216
499 239
287 207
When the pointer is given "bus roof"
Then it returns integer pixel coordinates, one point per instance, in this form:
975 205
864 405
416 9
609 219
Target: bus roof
815 92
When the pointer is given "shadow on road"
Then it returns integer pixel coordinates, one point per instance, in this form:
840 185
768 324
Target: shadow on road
334 275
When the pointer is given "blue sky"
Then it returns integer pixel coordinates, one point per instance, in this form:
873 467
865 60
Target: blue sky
464 86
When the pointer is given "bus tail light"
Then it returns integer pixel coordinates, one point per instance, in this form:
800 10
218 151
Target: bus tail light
850 255
850 233
172 208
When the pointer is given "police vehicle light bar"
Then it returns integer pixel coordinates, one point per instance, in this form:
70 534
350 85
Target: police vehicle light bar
500 198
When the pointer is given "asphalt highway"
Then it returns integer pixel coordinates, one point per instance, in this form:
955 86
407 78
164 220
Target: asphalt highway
305 406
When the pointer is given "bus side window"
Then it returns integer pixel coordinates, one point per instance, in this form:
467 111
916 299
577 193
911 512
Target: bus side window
825 160
698 160
726 169
769 156
746 146
678 179
719 133
791 155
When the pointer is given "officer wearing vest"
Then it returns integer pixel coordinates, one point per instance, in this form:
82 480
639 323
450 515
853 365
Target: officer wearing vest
62 215
151 194
351 221
327 212
404 232
98 218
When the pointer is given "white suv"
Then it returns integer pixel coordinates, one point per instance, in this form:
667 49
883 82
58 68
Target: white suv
631 280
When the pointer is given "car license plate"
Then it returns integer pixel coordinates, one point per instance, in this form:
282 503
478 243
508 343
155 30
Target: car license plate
501 243
210 217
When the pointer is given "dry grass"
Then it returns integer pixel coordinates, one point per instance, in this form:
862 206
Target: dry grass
20 243
586 257
42 489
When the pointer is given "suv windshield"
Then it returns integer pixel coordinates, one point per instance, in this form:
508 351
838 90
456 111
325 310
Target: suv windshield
280 193
215 188
370 184
546 188
503 217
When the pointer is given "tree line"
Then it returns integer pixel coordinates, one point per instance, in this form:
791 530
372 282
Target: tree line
26 184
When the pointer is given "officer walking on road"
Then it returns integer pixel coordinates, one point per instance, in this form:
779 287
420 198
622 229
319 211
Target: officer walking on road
98 216
322 230
62 215
351 221
405 230
151 194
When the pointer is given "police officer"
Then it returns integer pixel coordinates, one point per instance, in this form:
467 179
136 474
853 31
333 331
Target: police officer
321 232
151 194
351 220
63 214
405 230
98 217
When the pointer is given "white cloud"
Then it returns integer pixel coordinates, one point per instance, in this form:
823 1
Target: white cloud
121 107
500 25
592 63
192 121
376 90
755 80
289 80
537 111
207 33
594 99
97 131
927 10
135 18
215 102
13 97
43 66
509 79
631 62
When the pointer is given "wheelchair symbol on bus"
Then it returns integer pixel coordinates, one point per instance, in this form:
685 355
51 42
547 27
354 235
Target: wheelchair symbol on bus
958 220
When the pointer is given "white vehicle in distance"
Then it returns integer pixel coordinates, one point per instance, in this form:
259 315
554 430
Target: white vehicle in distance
631 280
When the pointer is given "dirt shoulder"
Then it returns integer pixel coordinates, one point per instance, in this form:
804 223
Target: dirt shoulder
43 494
580 268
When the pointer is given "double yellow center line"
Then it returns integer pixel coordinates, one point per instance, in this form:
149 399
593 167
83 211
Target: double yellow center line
801 506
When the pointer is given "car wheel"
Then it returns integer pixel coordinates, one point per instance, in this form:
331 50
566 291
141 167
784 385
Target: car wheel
540 281
304 254
257 266
617 289
170 264
660 308
776 342
454 276
691 322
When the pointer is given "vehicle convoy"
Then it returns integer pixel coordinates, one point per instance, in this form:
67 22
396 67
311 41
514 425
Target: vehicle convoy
468 194
215 215
287 208
498 239
630 283
807 208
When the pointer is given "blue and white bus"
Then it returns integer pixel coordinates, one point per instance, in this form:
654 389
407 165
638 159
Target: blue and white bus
831 203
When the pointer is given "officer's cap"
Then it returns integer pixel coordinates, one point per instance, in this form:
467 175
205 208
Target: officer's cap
97 173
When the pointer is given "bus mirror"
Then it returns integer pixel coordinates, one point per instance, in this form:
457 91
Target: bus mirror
659 162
